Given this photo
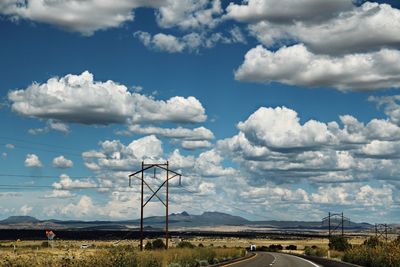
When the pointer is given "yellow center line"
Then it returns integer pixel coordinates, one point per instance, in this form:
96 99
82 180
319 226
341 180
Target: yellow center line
236 262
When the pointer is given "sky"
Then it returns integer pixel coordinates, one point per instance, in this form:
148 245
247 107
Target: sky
270 110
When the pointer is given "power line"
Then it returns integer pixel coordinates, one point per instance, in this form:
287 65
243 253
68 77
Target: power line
23 147
36 143
37 176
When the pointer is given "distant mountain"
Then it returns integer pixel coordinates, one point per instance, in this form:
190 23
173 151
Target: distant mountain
19 219
176 220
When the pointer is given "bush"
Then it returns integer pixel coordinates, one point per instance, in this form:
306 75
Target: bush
315 251
275 247
291 247
372 242
383 255
201 245
185 244
339 243
148 246
156 244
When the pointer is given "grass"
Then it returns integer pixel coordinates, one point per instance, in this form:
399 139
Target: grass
100 254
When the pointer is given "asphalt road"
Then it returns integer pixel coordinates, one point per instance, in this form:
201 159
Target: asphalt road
270 259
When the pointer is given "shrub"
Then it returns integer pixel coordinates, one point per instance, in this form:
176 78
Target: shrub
275 247
201 245
372 242
383 255
148 246
291 247
185 244
315 251
339 243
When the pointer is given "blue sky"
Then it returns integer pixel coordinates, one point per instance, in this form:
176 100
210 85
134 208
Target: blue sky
277 111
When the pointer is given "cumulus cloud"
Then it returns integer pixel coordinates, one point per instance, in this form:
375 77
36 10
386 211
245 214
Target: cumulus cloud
191 145
113 155
390 105
51 125
286 11
296 65
62 163
85 17
279 128
80 99
84 207
9 146
66 183
272 145
189 14
32 161
59 194
25 209
199 133
191 42
369 27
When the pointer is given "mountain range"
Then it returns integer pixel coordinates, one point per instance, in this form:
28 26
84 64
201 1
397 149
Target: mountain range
184 220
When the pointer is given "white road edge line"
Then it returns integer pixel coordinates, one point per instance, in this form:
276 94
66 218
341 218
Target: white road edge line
273 262
310 262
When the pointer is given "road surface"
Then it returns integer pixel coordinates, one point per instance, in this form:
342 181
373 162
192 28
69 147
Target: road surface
271 259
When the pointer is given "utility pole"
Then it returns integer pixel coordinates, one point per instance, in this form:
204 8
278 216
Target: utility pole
381 231
329 218
145 167
342 225
335 223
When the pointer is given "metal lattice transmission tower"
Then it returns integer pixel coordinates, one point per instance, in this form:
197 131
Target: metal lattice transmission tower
169 175
335 223
381 231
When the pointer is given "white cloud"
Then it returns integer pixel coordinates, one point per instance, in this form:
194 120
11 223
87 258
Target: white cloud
10 146
296 65
67 183
25 209
191 145
391 106
146 147
50 125
369 196
272 145
85 17
191 42
369 27
199 133
80 99
84 207
189 14
115 156
33 161
378 148
286 11
279 128
179 161
209 164
59 194
62 162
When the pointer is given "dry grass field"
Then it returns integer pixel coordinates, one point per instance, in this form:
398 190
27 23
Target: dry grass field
71 253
